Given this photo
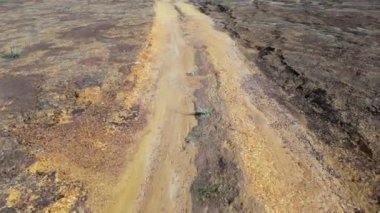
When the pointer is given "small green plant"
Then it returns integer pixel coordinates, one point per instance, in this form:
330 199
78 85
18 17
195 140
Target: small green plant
203 112
5 1
192 73
209 191
12 54
194 135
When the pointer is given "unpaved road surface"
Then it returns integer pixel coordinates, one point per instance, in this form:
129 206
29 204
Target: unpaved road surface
181 121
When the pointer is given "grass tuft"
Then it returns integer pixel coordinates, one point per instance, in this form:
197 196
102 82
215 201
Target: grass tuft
203 112
193 135
209 192
12 55
5 1
192 73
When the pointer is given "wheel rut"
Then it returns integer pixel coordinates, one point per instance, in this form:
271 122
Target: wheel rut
160 168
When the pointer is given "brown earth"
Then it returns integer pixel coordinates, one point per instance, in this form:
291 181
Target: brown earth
225 106
64 118
324 56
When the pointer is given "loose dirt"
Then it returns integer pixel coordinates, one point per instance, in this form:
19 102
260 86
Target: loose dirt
160 172
188 124
245 158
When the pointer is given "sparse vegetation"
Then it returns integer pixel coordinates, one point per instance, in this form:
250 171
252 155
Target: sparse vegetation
12 54
194 135
5 1
203 111
192 73
210 191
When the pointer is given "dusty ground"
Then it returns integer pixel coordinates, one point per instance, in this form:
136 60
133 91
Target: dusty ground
324 55
142 106
65 122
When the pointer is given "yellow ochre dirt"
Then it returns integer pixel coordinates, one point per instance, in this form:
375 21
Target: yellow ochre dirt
159 175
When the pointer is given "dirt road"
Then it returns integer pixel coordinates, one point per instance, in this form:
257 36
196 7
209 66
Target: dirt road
109 112
245 152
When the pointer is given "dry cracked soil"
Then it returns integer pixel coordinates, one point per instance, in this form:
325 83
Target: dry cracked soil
189 106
